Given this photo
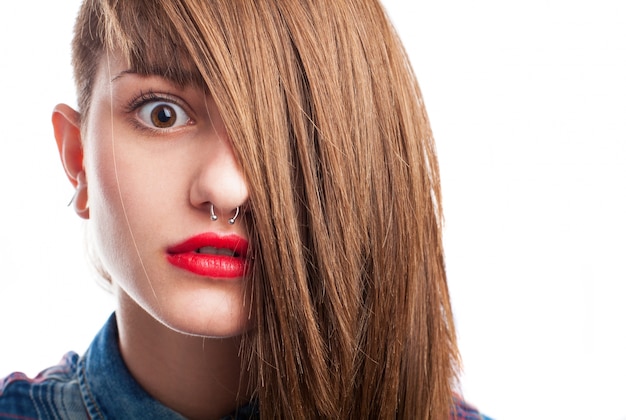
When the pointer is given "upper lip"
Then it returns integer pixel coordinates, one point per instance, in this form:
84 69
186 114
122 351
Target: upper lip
235 243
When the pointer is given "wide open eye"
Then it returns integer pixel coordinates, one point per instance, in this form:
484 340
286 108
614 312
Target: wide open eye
163 115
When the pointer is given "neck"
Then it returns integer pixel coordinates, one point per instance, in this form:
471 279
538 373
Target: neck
196 376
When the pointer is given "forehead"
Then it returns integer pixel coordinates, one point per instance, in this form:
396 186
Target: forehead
113 64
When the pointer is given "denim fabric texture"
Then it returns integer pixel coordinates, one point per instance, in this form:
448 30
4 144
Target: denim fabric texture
95 386
99 386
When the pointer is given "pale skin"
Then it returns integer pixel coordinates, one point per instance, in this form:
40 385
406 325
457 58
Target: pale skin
144 188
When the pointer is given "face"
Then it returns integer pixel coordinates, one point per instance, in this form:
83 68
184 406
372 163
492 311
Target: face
159 169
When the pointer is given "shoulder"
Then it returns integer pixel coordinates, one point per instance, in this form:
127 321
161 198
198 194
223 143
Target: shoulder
52 391
464 411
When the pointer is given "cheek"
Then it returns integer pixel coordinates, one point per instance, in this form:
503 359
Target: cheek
128 203
107 224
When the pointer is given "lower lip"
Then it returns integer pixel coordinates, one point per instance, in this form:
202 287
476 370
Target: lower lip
208 265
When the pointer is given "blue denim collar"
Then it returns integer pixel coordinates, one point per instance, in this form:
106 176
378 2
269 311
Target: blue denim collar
110 392
108 388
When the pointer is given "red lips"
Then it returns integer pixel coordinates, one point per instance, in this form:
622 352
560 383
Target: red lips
211 255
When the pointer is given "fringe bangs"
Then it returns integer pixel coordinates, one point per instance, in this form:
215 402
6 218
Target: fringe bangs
140 33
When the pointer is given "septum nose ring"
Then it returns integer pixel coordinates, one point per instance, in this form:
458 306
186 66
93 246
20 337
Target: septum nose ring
231 220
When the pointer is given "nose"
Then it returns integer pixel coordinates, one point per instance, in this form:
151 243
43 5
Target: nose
219 187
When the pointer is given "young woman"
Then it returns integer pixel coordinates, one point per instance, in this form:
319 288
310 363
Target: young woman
262 194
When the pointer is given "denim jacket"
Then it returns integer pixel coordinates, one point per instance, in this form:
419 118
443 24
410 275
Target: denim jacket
99 386
95 386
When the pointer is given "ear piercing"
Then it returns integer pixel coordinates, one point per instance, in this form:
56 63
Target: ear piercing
231 220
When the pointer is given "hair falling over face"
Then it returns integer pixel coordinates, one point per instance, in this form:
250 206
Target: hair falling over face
352 313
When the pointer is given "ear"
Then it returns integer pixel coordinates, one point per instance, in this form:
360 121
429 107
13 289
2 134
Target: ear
66 123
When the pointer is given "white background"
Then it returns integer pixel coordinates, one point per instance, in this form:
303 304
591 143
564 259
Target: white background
528 106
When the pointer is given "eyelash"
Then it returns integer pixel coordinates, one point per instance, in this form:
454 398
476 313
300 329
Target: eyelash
143 98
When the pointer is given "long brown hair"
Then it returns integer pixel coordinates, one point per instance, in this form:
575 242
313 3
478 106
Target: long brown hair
352 312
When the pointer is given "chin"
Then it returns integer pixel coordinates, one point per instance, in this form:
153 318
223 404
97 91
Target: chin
211 321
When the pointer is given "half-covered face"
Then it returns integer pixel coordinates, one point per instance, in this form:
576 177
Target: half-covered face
167 200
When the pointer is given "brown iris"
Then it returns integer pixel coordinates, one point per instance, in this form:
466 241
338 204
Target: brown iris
163 116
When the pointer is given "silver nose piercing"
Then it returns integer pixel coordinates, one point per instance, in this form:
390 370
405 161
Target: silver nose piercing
231 220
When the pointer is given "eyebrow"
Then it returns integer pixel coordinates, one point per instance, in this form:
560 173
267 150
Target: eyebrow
176 76
123 73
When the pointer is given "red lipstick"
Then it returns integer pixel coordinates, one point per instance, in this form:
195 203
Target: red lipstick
211 255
